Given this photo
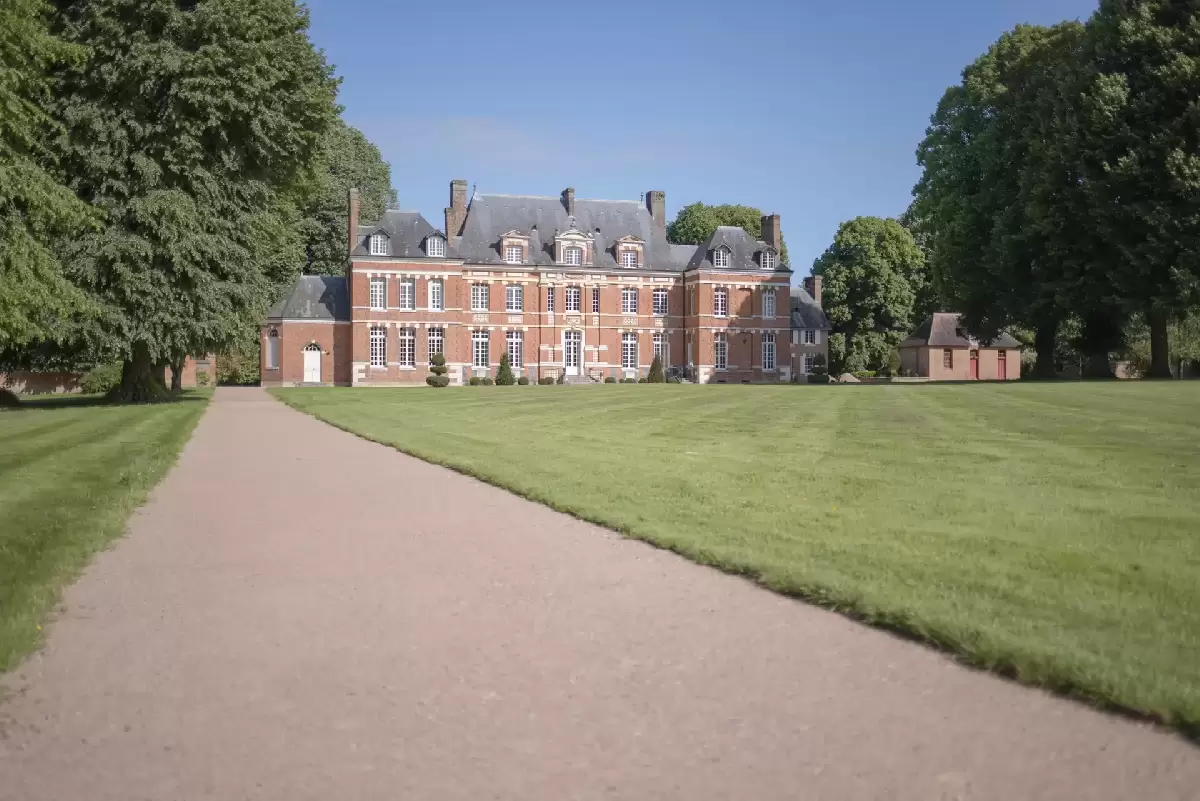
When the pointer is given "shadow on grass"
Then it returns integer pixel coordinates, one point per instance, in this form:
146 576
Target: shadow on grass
65 401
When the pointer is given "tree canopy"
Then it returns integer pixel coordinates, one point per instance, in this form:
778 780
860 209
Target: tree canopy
697 222
874 274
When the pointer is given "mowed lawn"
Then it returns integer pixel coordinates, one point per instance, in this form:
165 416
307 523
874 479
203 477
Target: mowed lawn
1048 531
71 472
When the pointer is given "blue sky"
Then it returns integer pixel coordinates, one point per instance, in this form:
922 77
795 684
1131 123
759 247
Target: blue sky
810 109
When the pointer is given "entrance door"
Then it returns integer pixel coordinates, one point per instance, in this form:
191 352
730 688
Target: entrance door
312 364
974 365
1001 365
572 351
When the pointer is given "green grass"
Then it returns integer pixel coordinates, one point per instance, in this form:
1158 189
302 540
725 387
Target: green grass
1050 532
71 471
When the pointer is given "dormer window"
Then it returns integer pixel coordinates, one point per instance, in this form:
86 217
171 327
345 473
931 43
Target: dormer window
378 245
435 247
721 257
514 254
768 260
629 258
573 256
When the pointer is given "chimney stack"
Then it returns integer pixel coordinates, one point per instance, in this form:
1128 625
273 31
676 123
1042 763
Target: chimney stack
771 233
568 199
352 221
812 285
656 203
456 215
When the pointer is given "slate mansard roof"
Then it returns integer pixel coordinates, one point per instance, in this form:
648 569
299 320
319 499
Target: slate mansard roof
314 297
406 232
806 312
943 330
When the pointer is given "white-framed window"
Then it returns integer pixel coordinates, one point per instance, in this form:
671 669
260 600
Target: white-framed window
549 298
378 293
808 364
810 336
408 294
660 346
272 349
720 302
437 342
573 256
378 245
595 300
378 346
768 260
721 257
514 254
629 258
437 294
479 349
768 351
514 298
629 350
629 300
479 297
768 303
720 352
408 347
571 299
660 301
435 247
515 339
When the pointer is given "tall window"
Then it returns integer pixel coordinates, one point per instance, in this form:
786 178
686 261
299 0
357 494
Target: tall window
660 301
573 256
629 258
479 297
378 293
571 299
273 350
720 352
514 254
514 298
810 336
378 245
721 257
768 351
809 361
629 354
948 359
479 349
660 346
437 294
515 339
721 302
437 342
378 347
408 347
595 300
768 303
435 246
768 260
408 294
629 300
549 298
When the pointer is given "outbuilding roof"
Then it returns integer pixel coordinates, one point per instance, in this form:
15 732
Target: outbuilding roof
314 297
944 330
806 312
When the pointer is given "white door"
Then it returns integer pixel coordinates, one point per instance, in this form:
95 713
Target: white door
572 351
312 364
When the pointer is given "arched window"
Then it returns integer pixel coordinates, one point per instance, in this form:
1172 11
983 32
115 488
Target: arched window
273 350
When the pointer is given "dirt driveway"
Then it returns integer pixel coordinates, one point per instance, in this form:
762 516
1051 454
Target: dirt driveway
300 614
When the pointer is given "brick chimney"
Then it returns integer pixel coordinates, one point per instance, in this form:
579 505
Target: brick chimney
352 221
568 200
771 231
456 215
656 203
812 285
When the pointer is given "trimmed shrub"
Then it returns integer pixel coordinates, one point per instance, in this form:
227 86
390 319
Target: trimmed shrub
610 379
9 399
102 379
656 374
486 381
643 380
864 373
628 380
818 378
562 378
546 380
437 366
523 381
475 381
437 380
504 373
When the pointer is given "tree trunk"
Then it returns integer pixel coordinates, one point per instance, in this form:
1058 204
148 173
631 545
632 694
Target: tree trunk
1045 341
1160 362
138 384
177 373
1097 365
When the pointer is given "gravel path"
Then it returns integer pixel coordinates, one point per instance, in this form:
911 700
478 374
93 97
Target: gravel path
300 614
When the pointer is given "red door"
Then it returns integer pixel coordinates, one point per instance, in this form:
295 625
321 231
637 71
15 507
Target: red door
1002 365
974 365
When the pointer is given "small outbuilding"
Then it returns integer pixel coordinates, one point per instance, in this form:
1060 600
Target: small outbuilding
942 350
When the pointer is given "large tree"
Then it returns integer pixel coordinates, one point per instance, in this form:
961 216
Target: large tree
347 160
192 129
697 222
36 300
874 273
